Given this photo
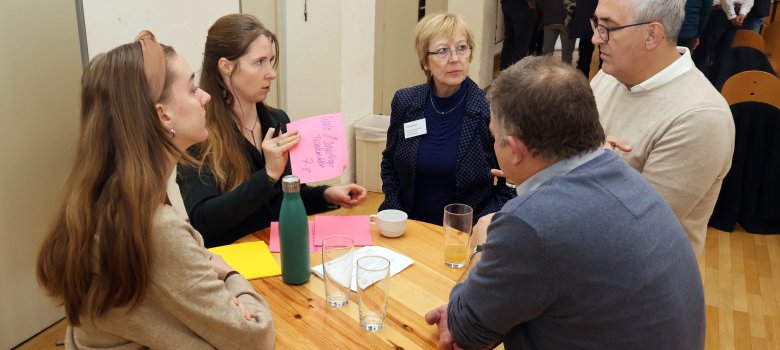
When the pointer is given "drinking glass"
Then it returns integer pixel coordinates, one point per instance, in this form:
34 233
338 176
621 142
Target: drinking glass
373 282
457 230
337 269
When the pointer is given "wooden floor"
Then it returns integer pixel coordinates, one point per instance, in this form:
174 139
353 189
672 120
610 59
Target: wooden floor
741 274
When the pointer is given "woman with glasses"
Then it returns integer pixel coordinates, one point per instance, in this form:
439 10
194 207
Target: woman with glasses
439 148
238 190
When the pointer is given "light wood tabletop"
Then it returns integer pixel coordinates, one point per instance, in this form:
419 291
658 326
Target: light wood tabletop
741 274
304 321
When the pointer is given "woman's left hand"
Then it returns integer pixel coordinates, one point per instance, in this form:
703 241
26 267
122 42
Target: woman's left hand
345 196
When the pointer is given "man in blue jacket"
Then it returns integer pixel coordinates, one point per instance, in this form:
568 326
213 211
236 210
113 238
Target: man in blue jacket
588 255
696 13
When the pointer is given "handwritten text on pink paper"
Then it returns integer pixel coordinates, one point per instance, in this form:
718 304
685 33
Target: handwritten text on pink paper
321 154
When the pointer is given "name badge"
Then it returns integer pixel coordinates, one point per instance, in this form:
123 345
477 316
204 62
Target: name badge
415 128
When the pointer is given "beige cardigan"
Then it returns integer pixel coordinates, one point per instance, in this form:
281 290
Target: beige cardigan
185 306
682 133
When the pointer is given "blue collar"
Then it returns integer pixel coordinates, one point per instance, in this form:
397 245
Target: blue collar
560 167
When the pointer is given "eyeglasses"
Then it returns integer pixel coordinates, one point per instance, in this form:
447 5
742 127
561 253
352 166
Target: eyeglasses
604 30
445 52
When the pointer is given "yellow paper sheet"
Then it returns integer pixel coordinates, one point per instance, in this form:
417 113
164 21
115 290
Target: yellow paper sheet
252 260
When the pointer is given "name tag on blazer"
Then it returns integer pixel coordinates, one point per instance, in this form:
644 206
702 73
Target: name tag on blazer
415 128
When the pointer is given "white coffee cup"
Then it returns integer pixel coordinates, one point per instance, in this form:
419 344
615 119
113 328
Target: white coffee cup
391 222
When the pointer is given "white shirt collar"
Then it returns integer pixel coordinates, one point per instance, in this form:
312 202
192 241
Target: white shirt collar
561 167
679 67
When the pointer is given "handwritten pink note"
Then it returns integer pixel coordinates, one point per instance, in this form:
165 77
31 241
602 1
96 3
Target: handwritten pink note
321 154
273 241
357 227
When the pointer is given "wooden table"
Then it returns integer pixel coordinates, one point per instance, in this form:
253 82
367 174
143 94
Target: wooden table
304 321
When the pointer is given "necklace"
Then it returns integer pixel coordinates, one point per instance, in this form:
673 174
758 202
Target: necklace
251 131
447 112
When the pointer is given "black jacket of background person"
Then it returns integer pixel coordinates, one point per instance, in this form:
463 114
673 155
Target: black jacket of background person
222 218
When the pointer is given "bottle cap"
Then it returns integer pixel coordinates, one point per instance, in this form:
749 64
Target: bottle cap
291 183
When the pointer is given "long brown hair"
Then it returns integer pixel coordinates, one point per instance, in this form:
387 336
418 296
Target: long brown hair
97 253
223 151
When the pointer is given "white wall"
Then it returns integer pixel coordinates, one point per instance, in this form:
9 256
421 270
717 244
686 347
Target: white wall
40 71
182 24
396 63
329 61
481 18
357 67
268 12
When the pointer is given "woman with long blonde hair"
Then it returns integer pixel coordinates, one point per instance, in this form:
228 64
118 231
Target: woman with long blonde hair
237 191
130 272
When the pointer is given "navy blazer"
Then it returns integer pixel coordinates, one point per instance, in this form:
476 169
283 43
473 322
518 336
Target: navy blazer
473 181
696 14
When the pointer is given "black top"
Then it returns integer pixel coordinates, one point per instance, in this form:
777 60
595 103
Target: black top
437 160
579 27
553 12
760 9
222 218
474 153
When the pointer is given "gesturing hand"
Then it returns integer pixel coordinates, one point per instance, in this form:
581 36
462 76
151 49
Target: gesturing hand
614 142
275 151
345 196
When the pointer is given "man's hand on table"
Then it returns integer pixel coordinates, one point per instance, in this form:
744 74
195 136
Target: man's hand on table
438 316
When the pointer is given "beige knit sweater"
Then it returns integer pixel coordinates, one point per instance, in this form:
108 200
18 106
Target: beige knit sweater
682 135
185 306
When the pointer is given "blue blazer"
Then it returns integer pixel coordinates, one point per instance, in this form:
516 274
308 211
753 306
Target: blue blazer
473 181
696 14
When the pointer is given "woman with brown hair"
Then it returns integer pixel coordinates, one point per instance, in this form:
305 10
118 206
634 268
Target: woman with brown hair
237 190
130 272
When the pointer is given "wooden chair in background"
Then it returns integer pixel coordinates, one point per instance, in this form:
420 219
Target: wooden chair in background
771 36
755 86
748 38
750 192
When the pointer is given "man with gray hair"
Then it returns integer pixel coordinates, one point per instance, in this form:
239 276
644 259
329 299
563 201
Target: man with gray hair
588 255
651 96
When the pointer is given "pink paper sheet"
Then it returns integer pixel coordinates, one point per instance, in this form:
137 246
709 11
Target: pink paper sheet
355 226
321 154
273 241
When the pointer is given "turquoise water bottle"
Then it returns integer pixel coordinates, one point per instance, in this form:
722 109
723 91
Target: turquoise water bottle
294 234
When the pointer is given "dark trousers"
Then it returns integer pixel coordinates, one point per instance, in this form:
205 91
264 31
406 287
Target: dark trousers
519 22
718 35
586 54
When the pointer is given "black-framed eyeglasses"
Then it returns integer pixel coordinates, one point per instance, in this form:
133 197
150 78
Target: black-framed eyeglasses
445 52
604 30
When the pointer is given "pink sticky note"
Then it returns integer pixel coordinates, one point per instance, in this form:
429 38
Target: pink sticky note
273 241
355 226
321 153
